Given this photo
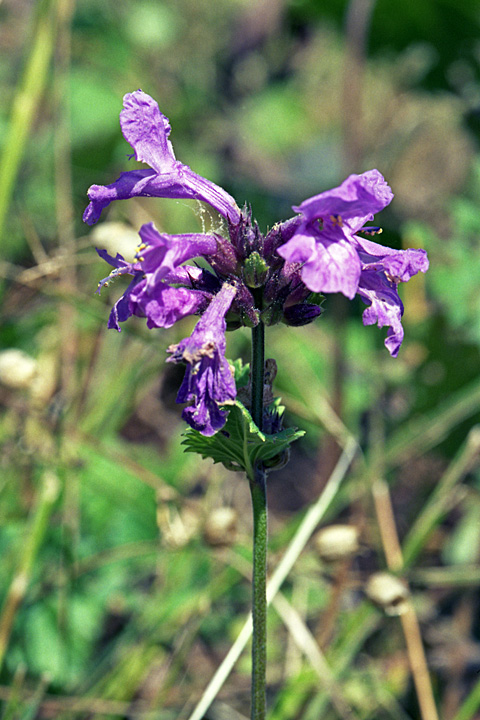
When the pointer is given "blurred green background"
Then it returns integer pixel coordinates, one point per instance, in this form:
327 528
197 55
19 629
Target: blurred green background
119 595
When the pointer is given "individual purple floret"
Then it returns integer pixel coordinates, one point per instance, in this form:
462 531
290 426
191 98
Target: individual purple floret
147 131
334 258
208 381
150 294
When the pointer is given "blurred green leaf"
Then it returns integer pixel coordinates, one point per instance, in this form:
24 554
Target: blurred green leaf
462 545
95 107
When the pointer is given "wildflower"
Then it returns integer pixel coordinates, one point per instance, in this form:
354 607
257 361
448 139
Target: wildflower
334 258
157 265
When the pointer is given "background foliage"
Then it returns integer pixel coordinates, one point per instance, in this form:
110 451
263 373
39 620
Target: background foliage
117 597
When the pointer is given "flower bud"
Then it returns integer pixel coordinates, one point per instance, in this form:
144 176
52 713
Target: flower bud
336 542
224 260
17 369
255 270
221 527
301 314
388 592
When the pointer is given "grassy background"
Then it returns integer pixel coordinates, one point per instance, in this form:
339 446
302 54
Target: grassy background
114 599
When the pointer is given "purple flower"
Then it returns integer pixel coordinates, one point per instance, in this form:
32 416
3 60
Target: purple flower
208 381
157 266
252 277
147 131
333 258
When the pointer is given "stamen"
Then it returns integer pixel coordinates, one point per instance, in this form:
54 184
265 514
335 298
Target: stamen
393 278
336 220
371 230
138 250
106 281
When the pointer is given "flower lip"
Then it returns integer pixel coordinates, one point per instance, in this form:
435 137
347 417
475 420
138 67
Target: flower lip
147 130
354 202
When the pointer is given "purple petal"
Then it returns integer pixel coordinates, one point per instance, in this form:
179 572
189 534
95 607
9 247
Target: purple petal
385 309
329 264
400 265
166 305
118 261
356 200
123 308
163 253
147 131
208 381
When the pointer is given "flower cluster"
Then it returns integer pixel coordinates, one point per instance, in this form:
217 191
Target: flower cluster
252 277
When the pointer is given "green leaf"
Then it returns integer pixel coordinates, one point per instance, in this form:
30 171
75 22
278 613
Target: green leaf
240 445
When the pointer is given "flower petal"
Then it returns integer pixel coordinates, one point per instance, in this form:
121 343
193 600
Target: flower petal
147 131
356 200
330 264
400 265
123 308
166 305
163 253
385 307
208 381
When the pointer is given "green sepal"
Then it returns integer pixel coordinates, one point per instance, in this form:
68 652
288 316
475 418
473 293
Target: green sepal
255 270
240 445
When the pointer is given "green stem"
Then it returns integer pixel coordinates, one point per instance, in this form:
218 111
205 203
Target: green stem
258 373
259 600
259 503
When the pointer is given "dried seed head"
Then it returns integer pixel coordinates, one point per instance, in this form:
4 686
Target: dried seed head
17 369
221 527
336 542
178 527
388 592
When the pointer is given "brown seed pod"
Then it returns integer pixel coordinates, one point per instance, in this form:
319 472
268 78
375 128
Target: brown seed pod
388 592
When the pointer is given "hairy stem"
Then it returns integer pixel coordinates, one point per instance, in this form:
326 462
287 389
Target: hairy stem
258 371
259 503
259 600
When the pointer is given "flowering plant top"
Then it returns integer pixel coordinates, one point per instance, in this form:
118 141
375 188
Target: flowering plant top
253 278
